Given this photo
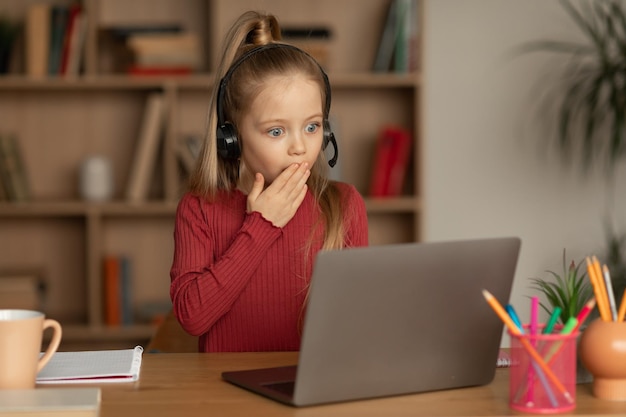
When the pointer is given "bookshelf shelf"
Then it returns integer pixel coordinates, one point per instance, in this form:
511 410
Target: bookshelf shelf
193 82
391 205
60 121
80 208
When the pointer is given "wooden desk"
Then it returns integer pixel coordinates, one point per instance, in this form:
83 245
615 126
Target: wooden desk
190 384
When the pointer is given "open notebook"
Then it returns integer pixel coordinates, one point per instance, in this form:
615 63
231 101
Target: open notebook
118 365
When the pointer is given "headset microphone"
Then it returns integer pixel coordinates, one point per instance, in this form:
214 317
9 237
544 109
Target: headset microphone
330 138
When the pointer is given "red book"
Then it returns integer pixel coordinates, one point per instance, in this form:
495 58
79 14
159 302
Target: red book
391 159
399 161
70 31
111 286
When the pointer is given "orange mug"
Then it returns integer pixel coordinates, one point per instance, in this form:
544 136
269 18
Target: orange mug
21 334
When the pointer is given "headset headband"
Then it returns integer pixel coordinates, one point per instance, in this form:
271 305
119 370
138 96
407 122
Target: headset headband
221 92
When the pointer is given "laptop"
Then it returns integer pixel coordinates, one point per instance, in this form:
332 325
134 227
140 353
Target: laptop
395 319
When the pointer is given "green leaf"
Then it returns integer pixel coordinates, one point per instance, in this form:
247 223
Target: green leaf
569 290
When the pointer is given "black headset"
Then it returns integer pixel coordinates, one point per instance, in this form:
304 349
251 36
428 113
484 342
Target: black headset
227 142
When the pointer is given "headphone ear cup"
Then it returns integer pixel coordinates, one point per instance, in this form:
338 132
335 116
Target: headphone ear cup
227 142
328 134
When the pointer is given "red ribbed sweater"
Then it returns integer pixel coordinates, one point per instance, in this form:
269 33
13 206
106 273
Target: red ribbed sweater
237 281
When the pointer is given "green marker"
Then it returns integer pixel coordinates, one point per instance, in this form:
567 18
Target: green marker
571 324
553 318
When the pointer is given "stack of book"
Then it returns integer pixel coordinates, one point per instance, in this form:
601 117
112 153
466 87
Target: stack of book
55 36
163 52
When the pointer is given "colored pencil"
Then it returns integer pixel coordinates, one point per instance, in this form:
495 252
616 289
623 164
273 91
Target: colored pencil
622 308
513 314
609 291
570 326
534 325
584 312
598 290
552 321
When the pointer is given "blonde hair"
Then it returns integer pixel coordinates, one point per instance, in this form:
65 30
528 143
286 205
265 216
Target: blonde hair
213 174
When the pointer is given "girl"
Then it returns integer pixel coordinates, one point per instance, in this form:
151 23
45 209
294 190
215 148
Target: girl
259 205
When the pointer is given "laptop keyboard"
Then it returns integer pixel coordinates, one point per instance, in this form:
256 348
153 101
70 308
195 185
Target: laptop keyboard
282 387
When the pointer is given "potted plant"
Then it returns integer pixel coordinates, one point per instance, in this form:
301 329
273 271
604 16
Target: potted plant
592 108
570 290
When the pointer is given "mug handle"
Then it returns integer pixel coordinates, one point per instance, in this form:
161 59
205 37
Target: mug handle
54 343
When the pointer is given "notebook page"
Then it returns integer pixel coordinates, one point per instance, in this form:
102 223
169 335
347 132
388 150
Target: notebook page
118 365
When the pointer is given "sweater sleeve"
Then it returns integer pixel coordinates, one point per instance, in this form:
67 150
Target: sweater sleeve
205 284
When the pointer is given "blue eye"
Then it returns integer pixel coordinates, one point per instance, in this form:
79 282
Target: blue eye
275 132
312 128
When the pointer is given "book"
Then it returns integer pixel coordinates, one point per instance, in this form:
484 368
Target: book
75 37
117 290
405 55
401 53
13 169
164 43
386 46
10 31
122 32
111 287
37 39
390 162
71 402
166 51
158 71
59 17
93 366
414 35
70 32
146 150
126 291
399 161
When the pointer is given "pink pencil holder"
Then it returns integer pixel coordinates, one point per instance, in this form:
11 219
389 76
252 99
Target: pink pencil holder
532 386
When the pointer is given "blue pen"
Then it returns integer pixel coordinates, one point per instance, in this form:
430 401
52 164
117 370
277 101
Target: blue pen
509 309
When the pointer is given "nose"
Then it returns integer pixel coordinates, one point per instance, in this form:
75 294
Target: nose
297 145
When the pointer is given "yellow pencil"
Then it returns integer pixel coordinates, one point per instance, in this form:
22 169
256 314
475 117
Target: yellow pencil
605 298
499 310
622 309
598 291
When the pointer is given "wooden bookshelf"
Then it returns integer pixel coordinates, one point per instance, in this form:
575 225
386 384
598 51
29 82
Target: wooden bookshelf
60 121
